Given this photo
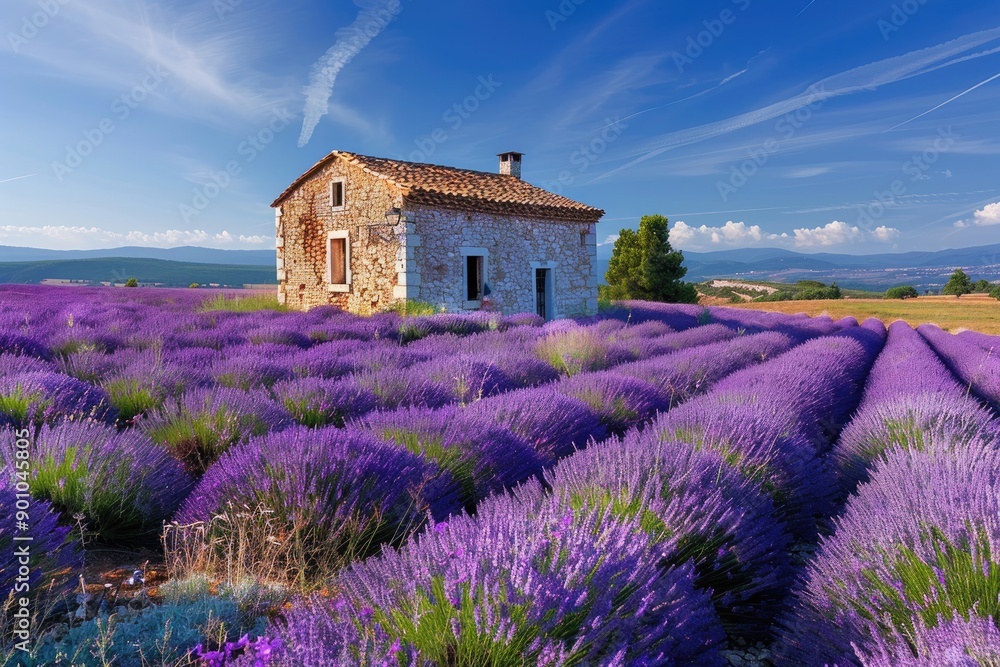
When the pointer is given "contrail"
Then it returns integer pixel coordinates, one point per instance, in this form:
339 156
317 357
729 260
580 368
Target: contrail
17 178
860 79
805 8
372 20
964 92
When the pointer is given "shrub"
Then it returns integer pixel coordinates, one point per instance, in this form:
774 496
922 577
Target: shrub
915 546
53 551
974 641
123 484
574 351
511 587
904 292
552 423
159 635
698 504
467 378
399 388
317 402
132 282
924 422
762 440
481 457
336 495
33 399
977 368
251 367
693 371
619 401
13 343
203 423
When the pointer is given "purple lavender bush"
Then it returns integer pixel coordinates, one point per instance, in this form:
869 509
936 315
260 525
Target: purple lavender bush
33 399
467 378
619 401
686 373
339 495
553 424
701 506
976 367
765 442
818 381
922 422
316 401
203 423
53 554
122 483
915 546
481 457
903 408
16 364
959 642
27 346
253 366
402 387
544 588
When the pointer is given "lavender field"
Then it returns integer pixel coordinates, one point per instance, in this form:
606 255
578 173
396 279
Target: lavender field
659 485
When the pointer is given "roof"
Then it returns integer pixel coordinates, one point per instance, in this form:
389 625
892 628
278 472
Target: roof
464 189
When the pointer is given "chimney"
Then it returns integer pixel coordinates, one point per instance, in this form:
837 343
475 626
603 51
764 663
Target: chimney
510 164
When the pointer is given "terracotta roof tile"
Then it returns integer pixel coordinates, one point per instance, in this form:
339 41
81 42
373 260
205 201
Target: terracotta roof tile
464 189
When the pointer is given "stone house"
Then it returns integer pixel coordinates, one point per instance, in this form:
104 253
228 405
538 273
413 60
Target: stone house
363 233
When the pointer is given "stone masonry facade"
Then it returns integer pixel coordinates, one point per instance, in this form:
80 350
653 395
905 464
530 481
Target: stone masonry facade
303 223
514 248
423 257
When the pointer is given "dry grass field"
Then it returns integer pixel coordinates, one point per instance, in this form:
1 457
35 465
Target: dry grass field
972 311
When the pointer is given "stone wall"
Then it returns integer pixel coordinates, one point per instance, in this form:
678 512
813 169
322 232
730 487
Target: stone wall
514 246
421 258
303 222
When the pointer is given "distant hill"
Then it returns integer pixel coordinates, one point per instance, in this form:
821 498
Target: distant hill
924 270
180 254
148 271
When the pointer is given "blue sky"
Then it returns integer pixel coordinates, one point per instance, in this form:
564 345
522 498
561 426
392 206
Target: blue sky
847 126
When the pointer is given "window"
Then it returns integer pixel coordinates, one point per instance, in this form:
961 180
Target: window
337 195
475 276
338 261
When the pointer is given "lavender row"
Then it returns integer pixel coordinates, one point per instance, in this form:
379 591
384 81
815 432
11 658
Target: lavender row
774 421
911 569
912 551
976 367
900 407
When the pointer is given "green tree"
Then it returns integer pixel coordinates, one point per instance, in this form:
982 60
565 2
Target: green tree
132 282
958 284
643 266
902 292
982 286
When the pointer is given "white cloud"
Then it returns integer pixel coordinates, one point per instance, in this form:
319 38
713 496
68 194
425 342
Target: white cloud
730 234
833 233
740 235
63 237
885 234
610 240
987 216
